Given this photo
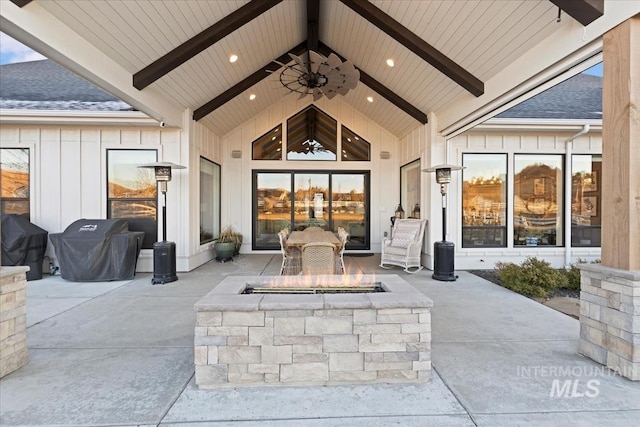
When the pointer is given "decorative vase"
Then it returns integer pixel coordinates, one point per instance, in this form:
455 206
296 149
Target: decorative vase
224 250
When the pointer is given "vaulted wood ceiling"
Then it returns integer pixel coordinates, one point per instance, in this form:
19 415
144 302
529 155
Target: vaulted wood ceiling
444 50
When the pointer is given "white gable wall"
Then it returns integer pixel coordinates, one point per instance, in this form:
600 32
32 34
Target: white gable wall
237 173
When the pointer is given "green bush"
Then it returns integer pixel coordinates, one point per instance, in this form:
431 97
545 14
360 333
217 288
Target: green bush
533 277
573 274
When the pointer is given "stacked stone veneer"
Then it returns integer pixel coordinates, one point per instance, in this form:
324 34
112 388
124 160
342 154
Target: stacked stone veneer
13 319
312 339
610 318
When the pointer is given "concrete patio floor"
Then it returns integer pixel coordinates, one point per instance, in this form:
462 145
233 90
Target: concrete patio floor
121 353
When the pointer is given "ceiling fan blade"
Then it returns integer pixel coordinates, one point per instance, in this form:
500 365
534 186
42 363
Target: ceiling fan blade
343 90
316 60
333 60
317 94
299 61
324 67
303 94
330 94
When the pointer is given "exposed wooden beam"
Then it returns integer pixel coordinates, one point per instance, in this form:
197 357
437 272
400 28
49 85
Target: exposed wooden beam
384 91
583 11
245 84
200 42
417 45
313 26
21 3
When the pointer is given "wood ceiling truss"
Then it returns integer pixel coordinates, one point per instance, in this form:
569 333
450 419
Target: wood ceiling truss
200 42
21 3
583 11
416 45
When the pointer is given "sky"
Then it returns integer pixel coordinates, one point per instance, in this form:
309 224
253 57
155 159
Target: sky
12 51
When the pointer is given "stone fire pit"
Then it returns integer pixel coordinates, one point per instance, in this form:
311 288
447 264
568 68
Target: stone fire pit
312 339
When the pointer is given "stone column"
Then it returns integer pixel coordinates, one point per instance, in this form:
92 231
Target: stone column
610 292
13 319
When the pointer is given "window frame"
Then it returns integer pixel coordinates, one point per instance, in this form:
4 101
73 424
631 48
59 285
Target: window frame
485 228
217 225
4 199
109 200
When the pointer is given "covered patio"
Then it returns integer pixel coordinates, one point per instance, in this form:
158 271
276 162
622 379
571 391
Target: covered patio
456 64
121 353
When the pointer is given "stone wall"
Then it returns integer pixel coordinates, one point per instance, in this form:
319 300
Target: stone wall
313 346
13 319
312 339
610 318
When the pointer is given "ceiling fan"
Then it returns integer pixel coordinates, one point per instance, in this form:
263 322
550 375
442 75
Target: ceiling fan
314 74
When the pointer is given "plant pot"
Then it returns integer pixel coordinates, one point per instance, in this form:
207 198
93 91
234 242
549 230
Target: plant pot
224 250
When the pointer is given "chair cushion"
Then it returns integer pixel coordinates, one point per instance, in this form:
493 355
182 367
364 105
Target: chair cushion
404 234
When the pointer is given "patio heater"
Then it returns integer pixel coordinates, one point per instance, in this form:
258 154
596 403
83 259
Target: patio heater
164 252
443 251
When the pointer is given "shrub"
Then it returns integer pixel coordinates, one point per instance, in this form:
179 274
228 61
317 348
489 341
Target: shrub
573 274
533 278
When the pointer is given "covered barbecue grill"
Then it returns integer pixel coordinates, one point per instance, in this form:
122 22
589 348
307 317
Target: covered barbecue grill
23 243
93 250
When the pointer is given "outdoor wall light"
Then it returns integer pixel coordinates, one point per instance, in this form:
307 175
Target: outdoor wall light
443 251
415 213
164 252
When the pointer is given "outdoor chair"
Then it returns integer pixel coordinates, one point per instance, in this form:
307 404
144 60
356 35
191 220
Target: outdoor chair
318 258
404 248
290 257
343 236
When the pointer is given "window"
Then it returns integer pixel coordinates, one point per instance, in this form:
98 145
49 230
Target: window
209 200
410 189
312 135
537 200
484 200
268 146
300 199
354 148
132 191
14 175
586 211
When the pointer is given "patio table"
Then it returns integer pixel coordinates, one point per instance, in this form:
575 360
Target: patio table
300 238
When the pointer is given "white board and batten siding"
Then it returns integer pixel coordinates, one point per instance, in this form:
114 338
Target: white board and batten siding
514 142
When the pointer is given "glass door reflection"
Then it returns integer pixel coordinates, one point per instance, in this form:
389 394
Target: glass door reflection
311 201
349 205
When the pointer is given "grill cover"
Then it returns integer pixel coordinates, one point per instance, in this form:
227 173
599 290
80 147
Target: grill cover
95 250
23 243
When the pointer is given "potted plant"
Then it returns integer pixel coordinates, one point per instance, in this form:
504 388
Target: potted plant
225 245
238 240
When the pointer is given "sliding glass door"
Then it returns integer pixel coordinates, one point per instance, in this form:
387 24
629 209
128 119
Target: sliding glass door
301 199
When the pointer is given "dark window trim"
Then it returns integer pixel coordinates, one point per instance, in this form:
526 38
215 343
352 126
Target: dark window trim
3 200
506 204
219 204
563 163
360 139
139 199
254 191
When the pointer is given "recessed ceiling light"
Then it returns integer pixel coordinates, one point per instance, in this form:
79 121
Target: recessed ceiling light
370 98
390 62
233 58
252 96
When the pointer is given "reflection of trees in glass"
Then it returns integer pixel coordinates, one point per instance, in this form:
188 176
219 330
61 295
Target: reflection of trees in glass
14 172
